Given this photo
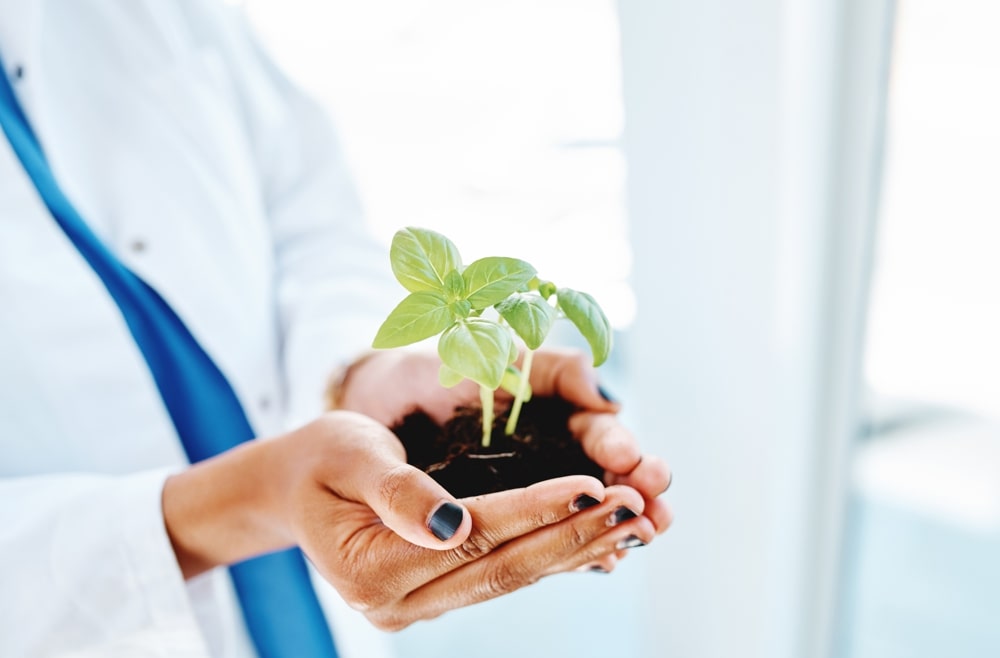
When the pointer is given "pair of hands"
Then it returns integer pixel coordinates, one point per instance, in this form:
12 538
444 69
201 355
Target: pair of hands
340 488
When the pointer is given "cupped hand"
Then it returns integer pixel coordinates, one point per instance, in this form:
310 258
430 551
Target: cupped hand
393 542
388 385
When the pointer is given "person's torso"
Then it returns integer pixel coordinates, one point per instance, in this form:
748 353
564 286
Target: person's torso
143 129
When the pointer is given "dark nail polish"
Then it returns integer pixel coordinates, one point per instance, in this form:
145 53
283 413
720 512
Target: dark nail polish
597 569
446 520
630 542
621 515
604 394
582 502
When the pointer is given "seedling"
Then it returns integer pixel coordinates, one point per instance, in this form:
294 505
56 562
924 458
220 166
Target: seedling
477 310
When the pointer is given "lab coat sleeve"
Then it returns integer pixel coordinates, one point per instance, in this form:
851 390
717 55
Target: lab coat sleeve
69 590
333 280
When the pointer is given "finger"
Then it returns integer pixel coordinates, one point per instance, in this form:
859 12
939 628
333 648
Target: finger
523 561
660 513
569 374
497 519
651 477
606 441
505 515
369 468
603 565
616 542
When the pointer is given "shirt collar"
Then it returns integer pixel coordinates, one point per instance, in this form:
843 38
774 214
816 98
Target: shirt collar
20 22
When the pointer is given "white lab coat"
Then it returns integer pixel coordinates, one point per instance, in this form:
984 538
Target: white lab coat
217 182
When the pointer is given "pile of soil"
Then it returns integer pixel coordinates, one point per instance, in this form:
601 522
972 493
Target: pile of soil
542 448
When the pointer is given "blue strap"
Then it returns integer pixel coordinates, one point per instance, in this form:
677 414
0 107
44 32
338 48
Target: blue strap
282 612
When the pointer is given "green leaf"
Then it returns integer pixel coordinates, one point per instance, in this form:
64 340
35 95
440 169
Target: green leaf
478 350
528 315
421 259
448 377
461 308
454 286
490 280
588 317
511 382
419 316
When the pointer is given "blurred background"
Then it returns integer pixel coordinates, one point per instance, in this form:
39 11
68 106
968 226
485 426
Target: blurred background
791 212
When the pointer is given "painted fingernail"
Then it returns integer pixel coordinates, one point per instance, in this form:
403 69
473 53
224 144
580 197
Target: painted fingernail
621 515
597 569
582 502
604 394
445 521
629 542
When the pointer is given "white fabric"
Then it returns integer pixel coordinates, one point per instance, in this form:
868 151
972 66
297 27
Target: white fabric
221 185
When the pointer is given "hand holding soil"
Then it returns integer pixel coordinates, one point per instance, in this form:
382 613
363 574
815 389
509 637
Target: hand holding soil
391 385
516 470
393 542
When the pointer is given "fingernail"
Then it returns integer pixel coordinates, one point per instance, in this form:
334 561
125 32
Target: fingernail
604 394
445 521
582 502
621 515
630 542
597 569
670 481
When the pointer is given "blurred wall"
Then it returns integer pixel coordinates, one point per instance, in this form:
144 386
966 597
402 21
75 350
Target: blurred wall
752 142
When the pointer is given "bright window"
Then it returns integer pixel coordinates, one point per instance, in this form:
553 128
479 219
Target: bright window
494 122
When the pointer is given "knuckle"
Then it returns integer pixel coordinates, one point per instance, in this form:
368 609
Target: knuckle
596 554
578 536
392 483
544 515
473 548
505 578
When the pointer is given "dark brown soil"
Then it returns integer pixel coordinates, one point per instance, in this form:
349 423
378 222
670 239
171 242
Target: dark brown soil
542 448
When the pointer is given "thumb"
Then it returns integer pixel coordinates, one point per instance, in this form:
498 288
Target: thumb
372 469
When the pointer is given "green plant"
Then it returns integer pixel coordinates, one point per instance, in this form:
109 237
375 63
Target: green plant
477 310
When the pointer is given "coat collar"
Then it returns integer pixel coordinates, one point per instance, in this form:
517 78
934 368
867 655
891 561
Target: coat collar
20 21
20 28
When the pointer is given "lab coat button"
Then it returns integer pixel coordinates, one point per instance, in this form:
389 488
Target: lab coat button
138 246
264 403
18 72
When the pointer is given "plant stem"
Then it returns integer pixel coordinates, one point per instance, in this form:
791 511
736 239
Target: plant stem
486 398
522 392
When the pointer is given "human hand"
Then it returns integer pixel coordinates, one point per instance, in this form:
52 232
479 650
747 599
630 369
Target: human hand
393 542
388 385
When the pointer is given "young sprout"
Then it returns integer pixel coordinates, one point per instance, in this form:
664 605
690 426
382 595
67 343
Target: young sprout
450 299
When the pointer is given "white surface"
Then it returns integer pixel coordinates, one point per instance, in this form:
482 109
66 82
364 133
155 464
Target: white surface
495 122
934 324
751 134
947 471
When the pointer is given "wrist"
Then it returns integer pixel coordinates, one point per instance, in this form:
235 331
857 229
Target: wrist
229 508
340 379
